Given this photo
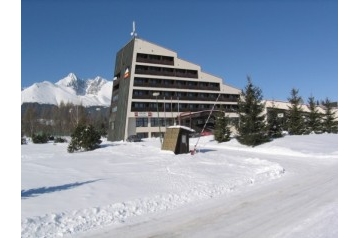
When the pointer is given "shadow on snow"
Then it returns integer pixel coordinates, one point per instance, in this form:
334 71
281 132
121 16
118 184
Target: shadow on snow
204 150
38 191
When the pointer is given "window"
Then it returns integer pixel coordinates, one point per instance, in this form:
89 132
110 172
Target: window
153 106
139 106
168 71
154 57
141 122
154 122
138 92
141 56
138 80
155 81
154 69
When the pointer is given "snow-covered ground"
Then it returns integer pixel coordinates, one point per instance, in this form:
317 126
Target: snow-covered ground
285 188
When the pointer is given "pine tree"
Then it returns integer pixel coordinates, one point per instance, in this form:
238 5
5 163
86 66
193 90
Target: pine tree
274 123
40 138
295 120
330 125
251 126
85 137
314 117
222 131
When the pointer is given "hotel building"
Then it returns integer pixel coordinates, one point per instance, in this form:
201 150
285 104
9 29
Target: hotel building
154 89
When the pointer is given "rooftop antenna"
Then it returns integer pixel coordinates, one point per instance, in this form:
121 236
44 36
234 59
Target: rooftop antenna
133 33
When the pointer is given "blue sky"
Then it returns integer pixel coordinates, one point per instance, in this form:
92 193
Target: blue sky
280 44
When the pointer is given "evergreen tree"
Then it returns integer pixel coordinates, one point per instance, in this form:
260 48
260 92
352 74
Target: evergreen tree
314 117
251 126
222 131
85 137
274 123
295 121
330 125
39 138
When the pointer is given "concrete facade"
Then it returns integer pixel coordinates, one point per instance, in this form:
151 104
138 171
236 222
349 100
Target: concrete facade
143 68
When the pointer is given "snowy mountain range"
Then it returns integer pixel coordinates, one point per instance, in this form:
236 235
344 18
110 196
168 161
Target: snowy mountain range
70 89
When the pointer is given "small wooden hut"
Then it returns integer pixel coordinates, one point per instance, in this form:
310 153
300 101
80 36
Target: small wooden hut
176 139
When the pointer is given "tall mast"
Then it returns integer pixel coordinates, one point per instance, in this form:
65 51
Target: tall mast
133 33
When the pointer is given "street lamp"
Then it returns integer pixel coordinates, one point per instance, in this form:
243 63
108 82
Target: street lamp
156 94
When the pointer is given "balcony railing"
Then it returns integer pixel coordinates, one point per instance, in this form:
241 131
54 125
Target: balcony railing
179 86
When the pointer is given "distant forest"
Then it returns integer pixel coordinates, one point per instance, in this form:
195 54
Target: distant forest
61 120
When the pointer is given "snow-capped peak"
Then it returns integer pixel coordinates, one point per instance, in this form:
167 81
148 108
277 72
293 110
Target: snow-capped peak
71 81
90 92
68 80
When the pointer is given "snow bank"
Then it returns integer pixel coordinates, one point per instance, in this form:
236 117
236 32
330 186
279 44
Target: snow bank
84 191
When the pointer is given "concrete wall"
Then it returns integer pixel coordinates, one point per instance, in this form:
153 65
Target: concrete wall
124 60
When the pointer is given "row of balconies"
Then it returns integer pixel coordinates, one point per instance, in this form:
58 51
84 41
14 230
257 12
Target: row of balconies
155 59
183 107
179 85
186 97
162 71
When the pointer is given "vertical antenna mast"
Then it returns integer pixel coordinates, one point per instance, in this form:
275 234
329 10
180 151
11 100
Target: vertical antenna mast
133 33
